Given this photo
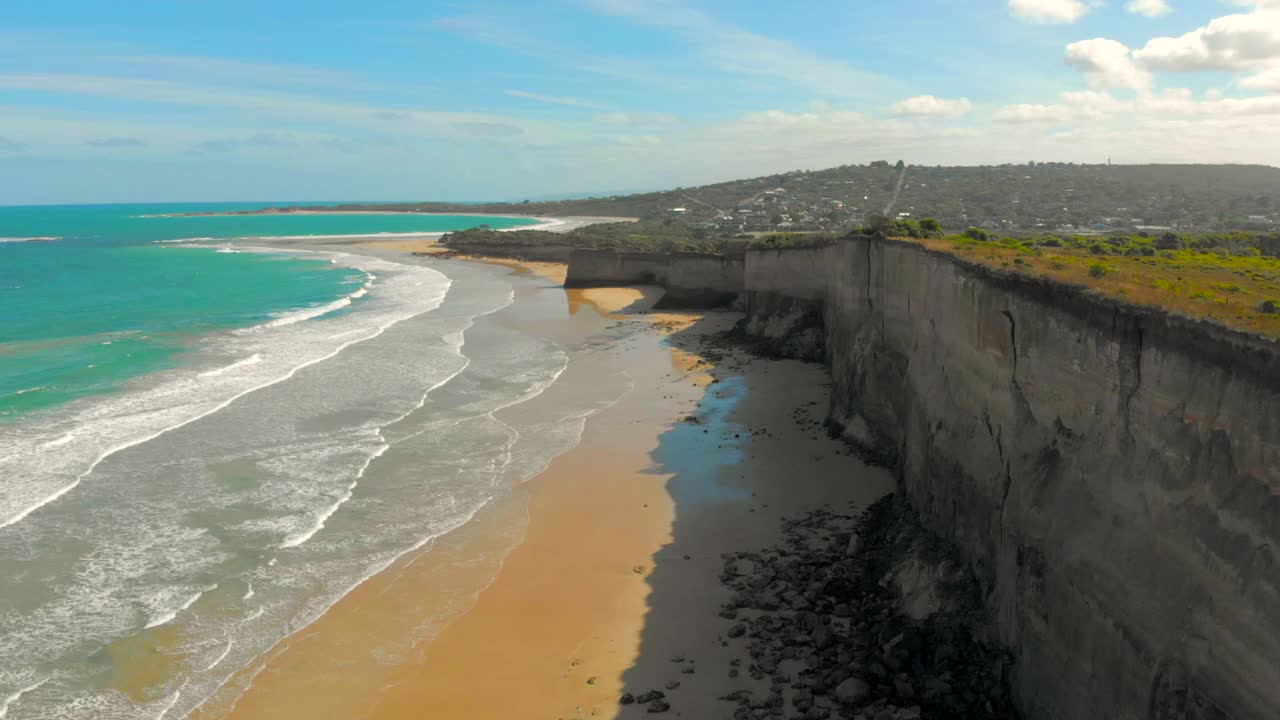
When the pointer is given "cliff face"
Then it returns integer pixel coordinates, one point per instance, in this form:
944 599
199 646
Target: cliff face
544 253
1111 474
691 279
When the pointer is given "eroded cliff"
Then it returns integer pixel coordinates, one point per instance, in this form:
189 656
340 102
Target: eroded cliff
1111 473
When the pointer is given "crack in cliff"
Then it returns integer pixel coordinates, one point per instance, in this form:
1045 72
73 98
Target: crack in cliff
870 303
1004 466
1132 392
1013 346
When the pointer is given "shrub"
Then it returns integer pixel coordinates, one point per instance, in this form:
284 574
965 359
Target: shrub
1098 270
1269 307
1058 265
1098 249
977 233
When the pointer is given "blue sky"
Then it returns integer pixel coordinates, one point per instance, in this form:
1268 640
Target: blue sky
390 99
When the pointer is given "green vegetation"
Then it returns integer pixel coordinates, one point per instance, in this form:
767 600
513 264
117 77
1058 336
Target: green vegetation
1232 278
664 235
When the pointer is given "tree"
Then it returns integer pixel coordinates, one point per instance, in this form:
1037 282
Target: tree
977 233
930 225
900 165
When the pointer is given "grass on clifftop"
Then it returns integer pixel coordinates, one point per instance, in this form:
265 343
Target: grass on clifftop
1224 278
655 235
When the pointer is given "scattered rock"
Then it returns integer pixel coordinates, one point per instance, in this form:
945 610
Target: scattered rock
871 614
853 691
626 699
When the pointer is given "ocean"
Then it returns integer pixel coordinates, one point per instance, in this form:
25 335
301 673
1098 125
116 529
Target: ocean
207 440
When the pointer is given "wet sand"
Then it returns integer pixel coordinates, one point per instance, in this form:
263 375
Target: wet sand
588 580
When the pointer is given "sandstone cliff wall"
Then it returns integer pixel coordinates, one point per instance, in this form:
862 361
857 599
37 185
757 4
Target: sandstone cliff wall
691 279
1113 475
542 253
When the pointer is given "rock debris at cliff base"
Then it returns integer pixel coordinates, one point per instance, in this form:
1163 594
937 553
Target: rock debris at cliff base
867 618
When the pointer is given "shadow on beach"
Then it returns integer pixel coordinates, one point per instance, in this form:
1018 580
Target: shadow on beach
754 452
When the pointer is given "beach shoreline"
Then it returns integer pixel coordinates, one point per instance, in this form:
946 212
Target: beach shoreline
586 582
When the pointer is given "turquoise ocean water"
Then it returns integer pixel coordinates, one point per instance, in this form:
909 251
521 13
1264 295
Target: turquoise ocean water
109 299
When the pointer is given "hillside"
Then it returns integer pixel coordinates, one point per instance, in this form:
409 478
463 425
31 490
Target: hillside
1014 199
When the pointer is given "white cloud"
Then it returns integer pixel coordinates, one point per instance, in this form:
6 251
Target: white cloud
1268 80
635 118
734 50
241 72
1150 8
1107 63
1049 11
1090 107
554 100
275 105
1230 42
642 140
928 106
1027 113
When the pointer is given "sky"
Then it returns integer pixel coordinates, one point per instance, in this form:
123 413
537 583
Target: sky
236 100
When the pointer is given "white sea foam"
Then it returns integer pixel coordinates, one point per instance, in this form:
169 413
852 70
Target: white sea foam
60 441
170 615
253 359
15 697
106 427
40 238
223 656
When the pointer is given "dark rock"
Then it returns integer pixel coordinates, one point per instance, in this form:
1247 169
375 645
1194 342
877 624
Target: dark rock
659 706
853 691
650 696
626 699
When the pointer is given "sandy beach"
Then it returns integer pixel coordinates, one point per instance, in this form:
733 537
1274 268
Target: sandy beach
598 577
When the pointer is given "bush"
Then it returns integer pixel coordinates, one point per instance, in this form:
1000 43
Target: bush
1098 270
1269 307
977 233
1098 249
